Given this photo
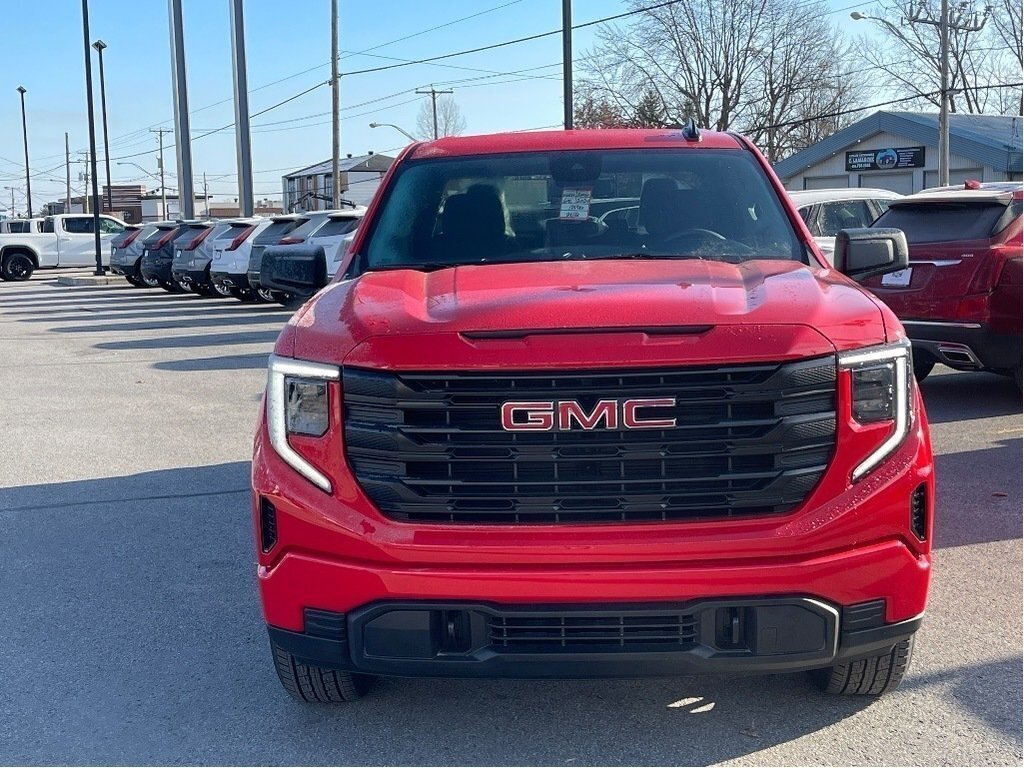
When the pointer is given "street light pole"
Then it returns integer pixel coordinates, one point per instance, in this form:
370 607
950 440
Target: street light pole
92 139
567 63
24 130
99 45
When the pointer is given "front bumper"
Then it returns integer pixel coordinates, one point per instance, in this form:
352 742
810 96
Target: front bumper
964 346
456 639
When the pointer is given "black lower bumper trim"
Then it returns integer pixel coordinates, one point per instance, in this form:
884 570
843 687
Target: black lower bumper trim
993 351
230 280
756 635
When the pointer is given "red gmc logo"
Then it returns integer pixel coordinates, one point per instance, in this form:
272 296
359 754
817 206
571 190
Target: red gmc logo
548 415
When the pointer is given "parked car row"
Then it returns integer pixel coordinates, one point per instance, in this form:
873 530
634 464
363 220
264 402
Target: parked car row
224 258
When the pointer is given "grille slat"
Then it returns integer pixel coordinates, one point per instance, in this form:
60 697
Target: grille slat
538 634
749 440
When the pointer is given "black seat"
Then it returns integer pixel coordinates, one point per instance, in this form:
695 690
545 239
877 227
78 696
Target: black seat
473 225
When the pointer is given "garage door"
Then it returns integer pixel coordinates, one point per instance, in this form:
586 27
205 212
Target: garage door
956 178
902 182
826 182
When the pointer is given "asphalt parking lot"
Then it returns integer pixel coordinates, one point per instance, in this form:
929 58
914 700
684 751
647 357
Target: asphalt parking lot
130 630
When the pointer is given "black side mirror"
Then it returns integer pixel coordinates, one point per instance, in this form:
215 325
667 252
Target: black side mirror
299 270
863 253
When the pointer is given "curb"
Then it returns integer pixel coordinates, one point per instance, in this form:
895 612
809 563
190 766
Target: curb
89 280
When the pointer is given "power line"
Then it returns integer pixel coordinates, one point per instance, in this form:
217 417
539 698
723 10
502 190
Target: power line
526 39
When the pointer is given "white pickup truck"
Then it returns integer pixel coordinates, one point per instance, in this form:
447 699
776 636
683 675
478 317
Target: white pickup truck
66 240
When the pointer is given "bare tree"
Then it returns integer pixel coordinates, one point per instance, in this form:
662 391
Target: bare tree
760 66
906 58
449 118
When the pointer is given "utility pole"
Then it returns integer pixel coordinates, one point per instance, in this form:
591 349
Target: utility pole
206 199
163 186
945 24
240 78
567 63
434 93
85 178
182 129
335 110
67 168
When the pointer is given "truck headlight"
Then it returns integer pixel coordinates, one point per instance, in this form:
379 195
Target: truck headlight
880 387
298 404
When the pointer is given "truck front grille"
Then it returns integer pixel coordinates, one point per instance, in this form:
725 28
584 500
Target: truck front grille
749 440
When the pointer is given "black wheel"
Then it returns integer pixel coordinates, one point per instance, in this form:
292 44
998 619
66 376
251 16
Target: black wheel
171 286
922 368
218 291
872 676
144 282
246 296
265 295
316 684
17 267
135 280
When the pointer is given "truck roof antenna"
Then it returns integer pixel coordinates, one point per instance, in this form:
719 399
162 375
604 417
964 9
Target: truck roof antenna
690 131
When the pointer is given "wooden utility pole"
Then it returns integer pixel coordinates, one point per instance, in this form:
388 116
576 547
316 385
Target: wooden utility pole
67 168
163 185
434 93
335 109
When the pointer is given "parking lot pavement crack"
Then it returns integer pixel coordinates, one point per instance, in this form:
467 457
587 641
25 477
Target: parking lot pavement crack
123 500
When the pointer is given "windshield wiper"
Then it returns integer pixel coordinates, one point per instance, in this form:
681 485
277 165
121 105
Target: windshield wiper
631 255
427 266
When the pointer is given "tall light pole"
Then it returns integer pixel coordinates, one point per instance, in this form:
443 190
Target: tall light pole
24 131
99 45
182 132
92 139
567 63
240 79
400 130
945 24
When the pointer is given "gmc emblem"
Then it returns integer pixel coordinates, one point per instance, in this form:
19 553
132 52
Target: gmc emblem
548 415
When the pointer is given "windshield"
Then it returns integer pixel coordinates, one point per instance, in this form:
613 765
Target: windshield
655 203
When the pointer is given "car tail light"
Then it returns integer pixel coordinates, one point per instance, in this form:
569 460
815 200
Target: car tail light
990 271
194 243
290 240
131 236
241 238
298 404
163 240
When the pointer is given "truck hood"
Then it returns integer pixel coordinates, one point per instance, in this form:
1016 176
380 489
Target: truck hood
758 309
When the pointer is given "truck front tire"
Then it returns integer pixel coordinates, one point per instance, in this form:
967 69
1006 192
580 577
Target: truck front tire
317 685
872 676
17 267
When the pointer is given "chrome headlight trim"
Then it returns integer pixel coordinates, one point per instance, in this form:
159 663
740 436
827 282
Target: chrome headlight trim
899 354
277 369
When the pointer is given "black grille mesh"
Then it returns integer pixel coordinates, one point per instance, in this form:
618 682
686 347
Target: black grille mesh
749 440
555 633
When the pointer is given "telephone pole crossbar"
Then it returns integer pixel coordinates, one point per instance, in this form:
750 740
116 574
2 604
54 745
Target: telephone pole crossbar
434 93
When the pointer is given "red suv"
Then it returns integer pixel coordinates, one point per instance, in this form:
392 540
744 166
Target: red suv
591 403
960 297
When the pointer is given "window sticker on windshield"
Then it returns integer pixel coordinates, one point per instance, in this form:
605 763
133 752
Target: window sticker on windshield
575 204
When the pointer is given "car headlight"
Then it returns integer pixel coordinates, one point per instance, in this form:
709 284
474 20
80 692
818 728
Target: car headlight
880 388
298 404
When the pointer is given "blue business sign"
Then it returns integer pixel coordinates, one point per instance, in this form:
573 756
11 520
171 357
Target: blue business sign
885 159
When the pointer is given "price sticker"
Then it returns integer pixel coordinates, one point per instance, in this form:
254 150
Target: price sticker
575 204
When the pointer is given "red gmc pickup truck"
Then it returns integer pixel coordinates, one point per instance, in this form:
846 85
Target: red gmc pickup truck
591 403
